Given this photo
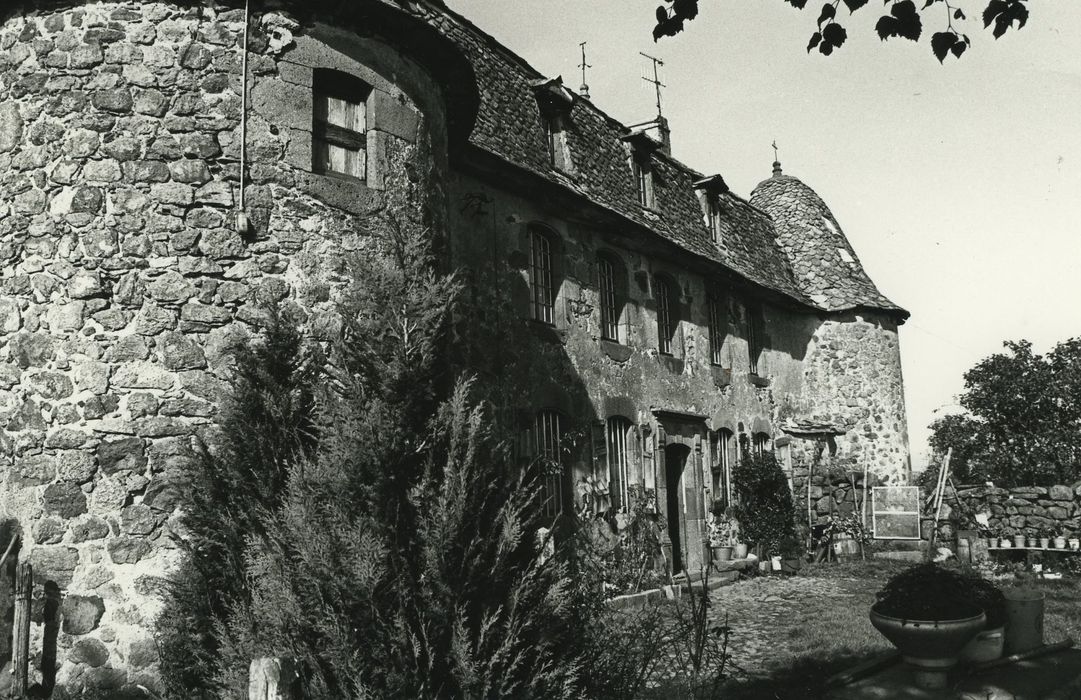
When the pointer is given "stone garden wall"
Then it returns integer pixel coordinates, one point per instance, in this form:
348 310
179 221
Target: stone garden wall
1023 510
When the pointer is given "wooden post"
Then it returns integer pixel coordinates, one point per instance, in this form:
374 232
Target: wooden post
273 679
20 641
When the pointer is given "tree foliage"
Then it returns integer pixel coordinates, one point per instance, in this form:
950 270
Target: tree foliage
766 512
902 19
1022 420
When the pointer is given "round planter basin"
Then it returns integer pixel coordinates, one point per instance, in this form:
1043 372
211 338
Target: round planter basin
931 646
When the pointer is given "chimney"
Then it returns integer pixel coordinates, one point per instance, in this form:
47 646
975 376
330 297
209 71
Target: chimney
664 134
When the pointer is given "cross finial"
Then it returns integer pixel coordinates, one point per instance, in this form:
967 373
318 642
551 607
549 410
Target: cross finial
776 161
656 80
584 89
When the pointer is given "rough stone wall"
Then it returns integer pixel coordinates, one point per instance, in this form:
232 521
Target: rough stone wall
1022 510
853 379
124 284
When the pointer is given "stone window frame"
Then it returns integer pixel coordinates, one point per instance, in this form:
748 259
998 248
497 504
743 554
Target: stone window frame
723 454
334 83
545 274
642 168
755 335
717 327
620 453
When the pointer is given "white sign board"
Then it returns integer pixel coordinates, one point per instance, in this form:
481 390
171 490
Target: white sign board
895 512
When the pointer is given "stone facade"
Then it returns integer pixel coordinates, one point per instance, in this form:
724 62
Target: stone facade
127 278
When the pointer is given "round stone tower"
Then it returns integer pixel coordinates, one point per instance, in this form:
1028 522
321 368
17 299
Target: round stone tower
133 263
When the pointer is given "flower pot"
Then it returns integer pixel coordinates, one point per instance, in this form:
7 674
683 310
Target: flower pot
1018 540
1005 543
739 551
932 647
985 646
1060 543
722 553
1075 543
1030 541
775 563
1045 542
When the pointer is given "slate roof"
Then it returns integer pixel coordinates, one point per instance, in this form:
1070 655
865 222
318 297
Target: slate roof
825 265
509 125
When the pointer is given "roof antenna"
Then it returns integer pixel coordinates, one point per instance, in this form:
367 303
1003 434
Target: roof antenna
584 90
656 81
776 161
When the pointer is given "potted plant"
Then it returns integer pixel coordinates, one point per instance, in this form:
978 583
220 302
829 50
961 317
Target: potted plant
1060 540
1075 543
1019 540
790 550
929 613
1005 543
720 536
988 644
1045 538
1031 541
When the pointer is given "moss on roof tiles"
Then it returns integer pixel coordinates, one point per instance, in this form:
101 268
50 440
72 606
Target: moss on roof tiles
825 265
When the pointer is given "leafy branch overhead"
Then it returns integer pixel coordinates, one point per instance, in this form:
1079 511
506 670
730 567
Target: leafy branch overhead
902 19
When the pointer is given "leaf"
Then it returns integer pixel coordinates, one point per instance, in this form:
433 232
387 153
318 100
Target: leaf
1002 23
886 27
798 4
815 38
941 43
834 34
828 13
854 5
662 15
959 48
910 25
958 14
994 9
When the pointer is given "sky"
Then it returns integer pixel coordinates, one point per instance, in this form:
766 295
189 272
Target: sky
958 185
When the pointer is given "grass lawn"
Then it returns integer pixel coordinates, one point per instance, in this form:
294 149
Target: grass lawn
827 635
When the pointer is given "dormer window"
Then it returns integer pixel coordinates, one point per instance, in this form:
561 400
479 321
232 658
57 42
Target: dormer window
339 124
710 190
555 102
643 178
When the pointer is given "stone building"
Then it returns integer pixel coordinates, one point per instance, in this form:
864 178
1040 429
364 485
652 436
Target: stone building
620 302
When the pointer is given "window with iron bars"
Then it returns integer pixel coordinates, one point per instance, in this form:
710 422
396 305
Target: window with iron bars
620 433
665 325
541 278
547 434
717 330
609 301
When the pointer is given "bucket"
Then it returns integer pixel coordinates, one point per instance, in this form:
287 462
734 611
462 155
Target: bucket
1024 620
844 546
985 646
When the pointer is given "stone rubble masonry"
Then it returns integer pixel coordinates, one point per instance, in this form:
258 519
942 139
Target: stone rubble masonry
125 287
1025 510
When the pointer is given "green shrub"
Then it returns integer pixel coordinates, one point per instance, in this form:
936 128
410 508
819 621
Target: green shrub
766 513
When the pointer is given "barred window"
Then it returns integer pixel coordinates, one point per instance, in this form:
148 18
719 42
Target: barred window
541 279
754 335
717 330
620 433
609 300
760 443
665 320
547 434
339 124
720 443
643 177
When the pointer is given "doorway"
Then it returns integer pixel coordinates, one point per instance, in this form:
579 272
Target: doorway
675 461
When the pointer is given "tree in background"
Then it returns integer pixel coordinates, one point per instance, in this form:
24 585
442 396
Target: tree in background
1022 420
904 19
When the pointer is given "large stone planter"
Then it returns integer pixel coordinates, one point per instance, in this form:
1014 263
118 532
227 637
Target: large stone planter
932 647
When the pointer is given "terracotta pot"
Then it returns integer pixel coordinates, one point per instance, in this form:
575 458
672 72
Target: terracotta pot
1045 542
1060 543
1005 543
1018 540
931 646
1030 541
1075 543
722 553
739 551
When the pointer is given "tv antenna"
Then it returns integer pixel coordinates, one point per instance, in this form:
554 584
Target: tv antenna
656 79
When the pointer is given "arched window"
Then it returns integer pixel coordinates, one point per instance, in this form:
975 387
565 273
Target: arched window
620 436
339 124
547 437
667 321
541 275
721 446
610 289
761 443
